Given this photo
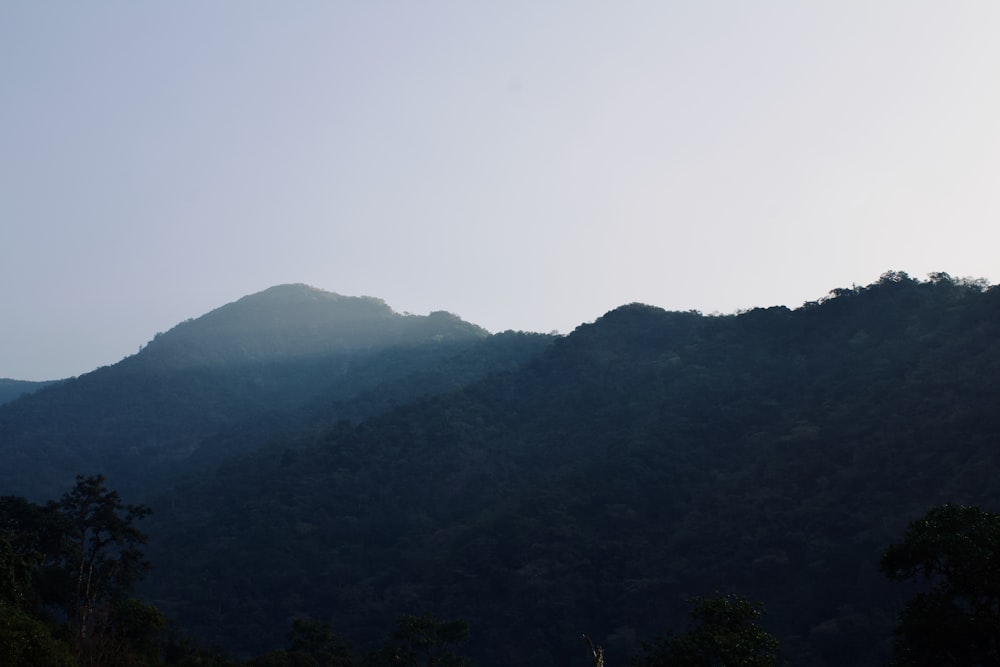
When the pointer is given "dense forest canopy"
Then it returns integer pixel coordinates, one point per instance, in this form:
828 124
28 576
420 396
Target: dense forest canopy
542 487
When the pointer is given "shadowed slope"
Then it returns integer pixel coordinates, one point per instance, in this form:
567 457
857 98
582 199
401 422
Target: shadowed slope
217 385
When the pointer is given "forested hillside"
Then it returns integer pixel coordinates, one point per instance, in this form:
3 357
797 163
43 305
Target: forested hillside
644 459
11 389
312 456
283 360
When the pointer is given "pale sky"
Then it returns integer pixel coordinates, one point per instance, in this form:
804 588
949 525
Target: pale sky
526 165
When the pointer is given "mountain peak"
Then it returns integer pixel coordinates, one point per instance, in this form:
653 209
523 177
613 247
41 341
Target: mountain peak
303 292
296 320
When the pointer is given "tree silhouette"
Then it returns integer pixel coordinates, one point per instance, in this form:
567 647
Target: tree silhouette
424 641
723 633
101 554
957 620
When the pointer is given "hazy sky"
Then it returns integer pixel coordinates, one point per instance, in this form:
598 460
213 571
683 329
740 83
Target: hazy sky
526 165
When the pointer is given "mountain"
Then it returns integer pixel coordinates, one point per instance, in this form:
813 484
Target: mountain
210 388
644 459
308 454
13 389
297 322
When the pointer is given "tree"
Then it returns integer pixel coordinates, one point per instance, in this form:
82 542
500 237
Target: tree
25 640
101 558
596 652
30 536
723 632
318 640
956 621
17 566
424 641
310 644
79 558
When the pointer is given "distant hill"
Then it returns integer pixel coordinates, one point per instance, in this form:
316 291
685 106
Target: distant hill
646 458
12 389
296 322
215 386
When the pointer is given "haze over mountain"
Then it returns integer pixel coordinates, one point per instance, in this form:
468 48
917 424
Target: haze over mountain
294 322
216 385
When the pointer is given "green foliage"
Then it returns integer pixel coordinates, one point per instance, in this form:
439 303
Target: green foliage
956 550
31 539
25 640
17 567
723 632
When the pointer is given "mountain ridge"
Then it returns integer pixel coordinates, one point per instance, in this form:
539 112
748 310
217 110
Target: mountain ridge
540 486
648 457
295 320
263 363
11 389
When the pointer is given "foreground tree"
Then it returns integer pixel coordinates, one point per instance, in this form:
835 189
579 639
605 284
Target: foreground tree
30 538
723 632
423 641
957 620
26 640
310 644
17 565
67 570
102 556
319 641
